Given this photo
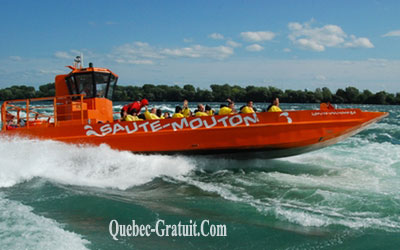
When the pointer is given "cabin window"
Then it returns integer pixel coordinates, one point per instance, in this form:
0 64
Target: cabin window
101 80
92 84
84 83
71 85
111 87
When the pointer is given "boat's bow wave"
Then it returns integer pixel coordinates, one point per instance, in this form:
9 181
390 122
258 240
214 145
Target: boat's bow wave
22 159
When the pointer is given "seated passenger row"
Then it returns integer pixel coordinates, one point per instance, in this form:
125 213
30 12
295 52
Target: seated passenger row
131 112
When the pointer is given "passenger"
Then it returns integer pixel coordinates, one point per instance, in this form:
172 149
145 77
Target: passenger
224 110
132 117
151 115
11 125
10 121
178 112
248 109
134 105
167 115
186 111
227 109
201 110
209 110
159 114
231 105
274 106
124 113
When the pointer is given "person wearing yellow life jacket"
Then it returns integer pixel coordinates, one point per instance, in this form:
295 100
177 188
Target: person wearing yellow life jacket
209 110
132 117
151 115
186 111
274 107
200 110
178 112
227 109
124 114
159 114
248 109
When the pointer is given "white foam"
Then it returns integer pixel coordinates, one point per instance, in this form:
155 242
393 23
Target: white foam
359 164
22 229
304 213
317 217
224 190
382 126
354 179
165 107
23 159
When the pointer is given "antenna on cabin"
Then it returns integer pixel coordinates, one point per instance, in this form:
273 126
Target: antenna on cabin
78 61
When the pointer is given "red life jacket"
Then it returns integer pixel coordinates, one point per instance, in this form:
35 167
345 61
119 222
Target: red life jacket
134 105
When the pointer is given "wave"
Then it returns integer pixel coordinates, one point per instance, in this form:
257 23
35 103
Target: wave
22 229
360 163
353 184
22 159
294 206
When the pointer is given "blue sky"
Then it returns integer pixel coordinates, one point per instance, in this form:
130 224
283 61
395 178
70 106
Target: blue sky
287 44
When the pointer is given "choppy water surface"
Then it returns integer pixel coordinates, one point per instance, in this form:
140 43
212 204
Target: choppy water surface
346 196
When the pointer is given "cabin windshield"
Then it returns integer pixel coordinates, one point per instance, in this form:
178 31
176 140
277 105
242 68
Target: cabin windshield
84 83
92 84
113 82
101 81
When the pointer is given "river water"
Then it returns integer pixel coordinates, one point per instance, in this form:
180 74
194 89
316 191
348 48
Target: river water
346 196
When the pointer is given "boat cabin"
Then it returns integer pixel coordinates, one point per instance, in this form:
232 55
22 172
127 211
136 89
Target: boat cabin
84 96
97 87
92 82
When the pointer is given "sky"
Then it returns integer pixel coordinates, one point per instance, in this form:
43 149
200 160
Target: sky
287 44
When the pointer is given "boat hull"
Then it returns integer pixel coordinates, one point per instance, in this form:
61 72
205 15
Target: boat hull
263 135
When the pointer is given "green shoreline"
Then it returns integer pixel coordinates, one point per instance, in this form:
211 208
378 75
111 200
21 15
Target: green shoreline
219 93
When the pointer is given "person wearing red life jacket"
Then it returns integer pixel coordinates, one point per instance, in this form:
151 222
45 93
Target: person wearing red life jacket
134 105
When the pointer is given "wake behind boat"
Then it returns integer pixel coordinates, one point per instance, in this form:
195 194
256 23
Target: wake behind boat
81 113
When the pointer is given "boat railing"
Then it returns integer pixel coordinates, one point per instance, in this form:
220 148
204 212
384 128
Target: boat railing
44 111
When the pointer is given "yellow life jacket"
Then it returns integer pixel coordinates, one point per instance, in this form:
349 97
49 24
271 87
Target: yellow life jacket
274 108
210 112
178 115
132 118
199 113
247 110
150 116
225 111
186 112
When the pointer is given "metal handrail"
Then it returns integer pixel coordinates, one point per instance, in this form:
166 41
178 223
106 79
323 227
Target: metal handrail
58 100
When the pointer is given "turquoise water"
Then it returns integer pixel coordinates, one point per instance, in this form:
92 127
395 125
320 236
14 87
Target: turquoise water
346 196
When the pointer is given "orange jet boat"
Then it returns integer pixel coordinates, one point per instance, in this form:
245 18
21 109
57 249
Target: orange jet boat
81 112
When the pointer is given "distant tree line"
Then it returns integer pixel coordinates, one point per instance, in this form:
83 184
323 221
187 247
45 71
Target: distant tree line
219 93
